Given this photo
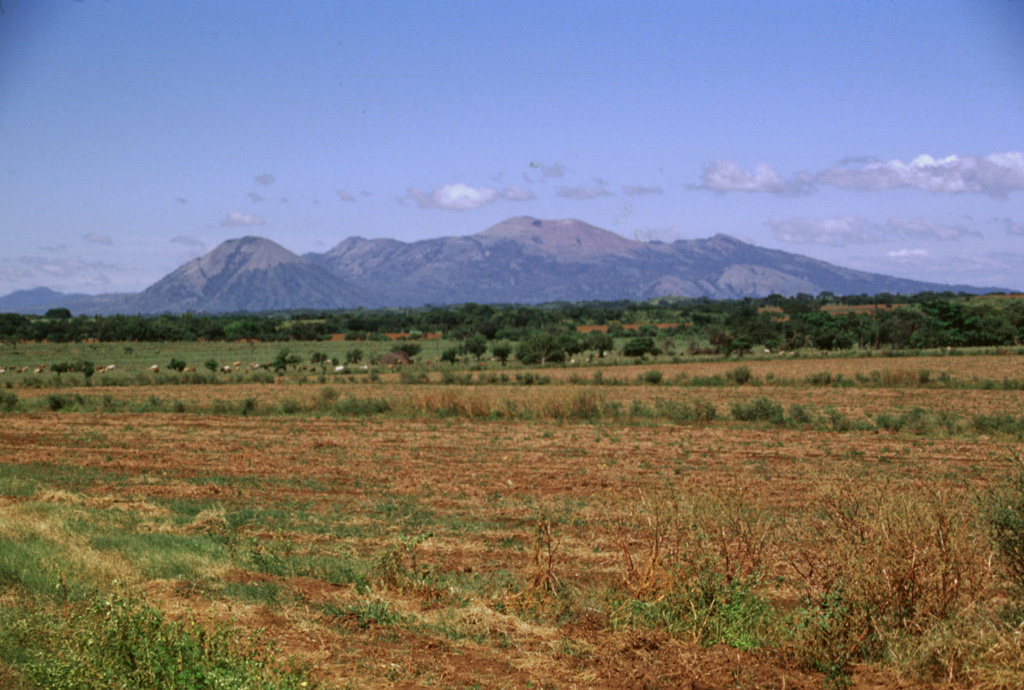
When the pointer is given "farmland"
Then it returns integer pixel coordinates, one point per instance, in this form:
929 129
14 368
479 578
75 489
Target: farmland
686 521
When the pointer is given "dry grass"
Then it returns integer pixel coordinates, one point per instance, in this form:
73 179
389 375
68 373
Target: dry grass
505 533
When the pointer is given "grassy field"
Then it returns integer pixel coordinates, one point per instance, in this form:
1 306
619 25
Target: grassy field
778 522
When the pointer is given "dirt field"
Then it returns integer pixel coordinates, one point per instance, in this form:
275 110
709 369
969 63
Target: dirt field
425 548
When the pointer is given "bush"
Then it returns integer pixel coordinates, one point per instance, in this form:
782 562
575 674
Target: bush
759 410
800 416
361 407
652 377
1004 513
704 411
177 364
821 378
739 375
56 401
121 642
998 424
8 401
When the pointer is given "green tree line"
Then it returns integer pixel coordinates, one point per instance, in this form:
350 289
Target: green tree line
548 333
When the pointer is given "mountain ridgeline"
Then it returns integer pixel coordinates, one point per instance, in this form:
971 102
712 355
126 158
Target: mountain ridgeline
521 260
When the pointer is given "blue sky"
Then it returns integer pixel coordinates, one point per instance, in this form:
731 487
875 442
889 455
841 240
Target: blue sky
880 135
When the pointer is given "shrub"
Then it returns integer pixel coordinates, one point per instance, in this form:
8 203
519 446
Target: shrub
739 375
800 416
759 410
652 377
360 407
1004 513
290 406
8 401
121 642
821 378
998 424
177 364
56 401
704 411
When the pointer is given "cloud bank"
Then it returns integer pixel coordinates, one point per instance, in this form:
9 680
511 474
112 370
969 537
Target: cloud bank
461 197
844 230
241 220
725 176
582 193
995 175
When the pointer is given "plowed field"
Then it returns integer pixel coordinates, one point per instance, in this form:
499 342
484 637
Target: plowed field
429 545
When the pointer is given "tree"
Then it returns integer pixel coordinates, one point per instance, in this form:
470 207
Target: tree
502 351
540 347
640 346
411 349
284 359
599 342
321 359
476 345
57 313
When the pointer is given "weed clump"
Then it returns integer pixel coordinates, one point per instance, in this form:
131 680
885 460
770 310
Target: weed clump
120 641
759 410
739 375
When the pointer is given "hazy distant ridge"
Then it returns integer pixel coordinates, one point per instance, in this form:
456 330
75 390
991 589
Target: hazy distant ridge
523 260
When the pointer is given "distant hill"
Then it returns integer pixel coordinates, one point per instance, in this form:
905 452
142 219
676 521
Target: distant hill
521 260
529 260
40 300
247 274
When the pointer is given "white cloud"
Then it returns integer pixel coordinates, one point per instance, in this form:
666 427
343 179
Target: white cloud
97 238
582 193
62 268
240 220
836 232
454 197
514 193
725 176
345 196
640 190
844 230
919 228
461 197
907 253
996 175
265 179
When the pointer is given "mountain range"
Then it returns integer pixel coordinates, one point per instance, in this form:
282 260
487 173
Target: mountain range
521 260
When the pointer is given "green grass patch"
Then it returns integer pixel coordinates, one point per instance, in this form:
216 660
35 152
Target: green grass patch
164 555
121 642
